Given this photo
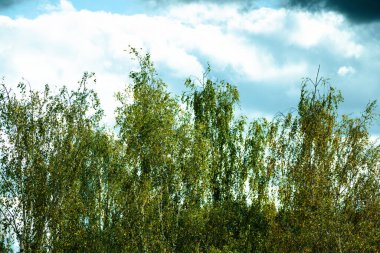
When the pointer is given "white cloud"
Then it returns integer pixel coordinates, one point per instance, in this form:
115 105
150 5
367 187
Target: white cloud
345 70
259 21
326 28
375 139
64 5
303 29
224 38
59 45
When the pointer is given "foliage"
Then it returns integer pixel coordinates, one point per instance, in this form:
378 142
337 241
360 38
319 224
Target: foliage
185 174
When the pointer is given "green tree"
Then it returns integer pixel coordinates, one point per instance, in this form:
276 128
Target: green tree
185 175
321 163
45 145
150 129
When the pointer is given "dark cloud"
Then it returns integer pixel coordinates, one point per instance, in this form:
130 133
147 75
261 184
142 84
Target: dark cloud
360 11
8 3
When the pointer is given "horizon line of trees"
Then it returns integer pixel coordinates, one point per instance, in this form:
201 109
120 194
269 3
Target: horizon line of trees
185 174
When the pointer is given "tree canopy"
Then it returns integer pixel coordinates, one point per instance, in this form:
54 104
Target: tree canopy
185 174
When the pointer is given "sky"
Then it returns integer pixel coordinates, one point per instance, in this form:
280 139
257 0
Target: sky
265 48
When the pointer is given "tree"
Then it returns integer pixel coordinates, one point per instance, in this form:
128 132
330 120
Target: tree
149 129
185 175
44 146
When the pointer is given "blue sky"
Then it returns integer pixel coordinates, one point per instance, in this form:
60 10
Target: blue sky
263 47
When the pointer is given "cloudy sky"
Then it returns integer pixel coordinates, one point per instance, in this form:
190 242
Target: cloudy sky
263 47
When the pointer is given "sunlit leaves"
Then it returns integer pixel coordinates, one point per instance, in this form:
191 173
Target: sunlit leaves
185 175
